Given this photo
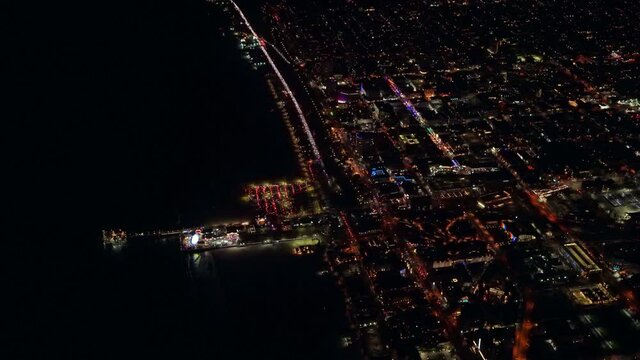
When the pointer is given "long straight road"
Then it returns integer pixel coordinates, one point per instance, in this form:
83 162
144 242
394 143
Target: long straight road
296 105
435 138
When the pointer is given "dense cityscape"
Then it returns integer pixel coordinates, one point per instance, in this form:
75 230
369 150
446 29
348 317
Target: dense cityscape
468 171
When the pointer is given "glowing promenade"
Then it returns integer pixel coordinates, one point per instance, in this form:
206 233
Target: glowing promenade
305 125
444 147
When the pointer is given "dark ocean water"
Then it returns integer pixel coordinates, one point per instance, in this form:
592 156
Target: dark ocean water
138 114
192 123
244 303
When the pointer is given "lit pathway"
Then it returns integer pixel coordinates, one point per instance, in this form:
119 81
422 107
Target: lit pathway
444 147
305 125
